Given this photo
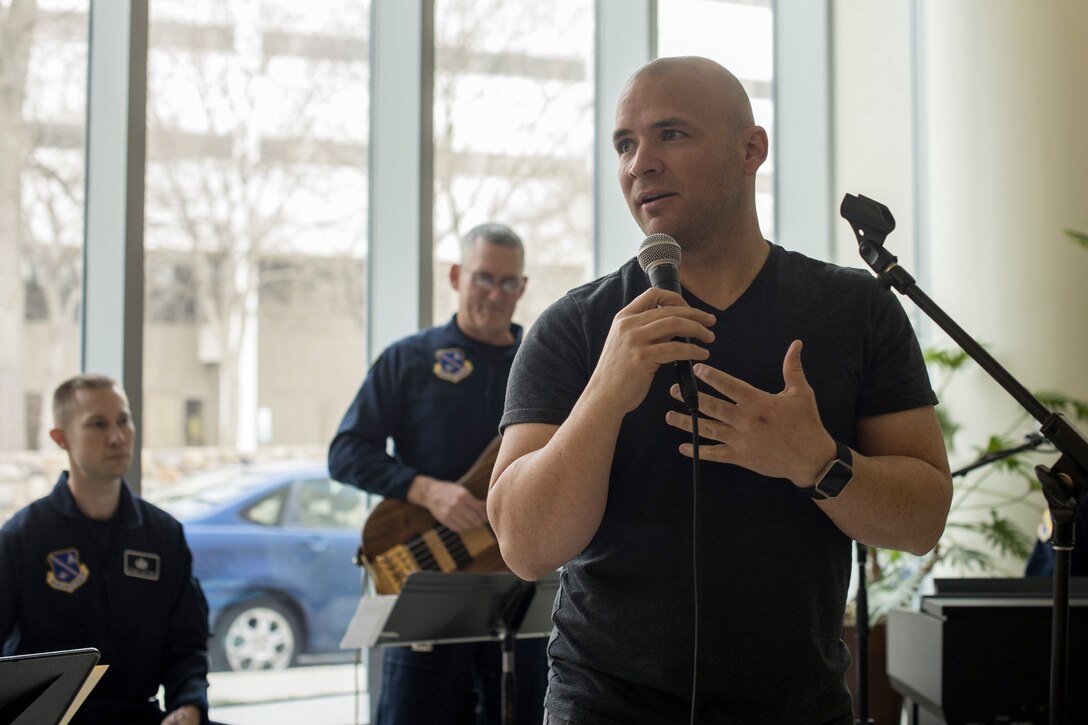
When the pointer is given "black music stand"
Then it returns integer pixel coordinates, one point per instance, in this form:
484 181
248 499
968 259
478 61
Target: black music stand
449 608
38 689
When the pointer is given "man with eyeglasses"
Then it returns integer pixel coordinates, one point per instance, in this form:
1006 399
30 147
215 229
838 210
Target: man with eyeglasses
439 394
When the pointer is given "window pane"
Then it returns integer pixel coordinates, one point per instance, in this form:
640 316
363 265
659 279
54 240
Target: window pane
327 504
740 36
43 88
255 253
513 138
266 512
256 223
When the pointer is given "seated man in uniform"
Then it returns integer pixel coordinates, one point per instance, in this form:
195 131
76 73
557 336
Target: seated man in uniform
93 565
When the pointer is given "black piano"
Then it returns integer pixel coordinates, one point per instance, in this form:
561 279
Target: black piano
978 651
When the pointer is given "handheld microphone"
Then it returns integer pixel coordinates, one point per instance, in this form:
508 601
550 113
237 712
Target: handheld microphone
659 257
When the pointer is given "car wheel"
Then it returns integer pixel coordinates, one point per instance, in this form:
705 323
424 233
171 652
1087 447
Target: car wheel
261 634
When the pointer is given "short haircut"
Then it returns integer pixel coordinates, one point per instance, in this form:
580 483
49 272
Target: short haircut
65 395
492 233
738 106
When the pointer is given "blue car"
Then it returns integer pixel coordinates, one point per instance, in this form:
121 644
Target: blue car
273 547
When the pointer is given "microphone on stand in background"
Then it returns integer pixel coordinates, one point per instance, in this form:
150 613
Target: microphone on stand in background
659 257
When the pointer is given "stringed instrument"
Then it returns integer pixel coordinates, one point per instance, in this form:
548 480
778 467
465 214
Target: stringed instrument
400 538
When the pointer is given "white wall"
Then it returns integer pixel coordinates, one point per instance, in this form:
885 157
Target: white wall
1002 168
1008 159
872 118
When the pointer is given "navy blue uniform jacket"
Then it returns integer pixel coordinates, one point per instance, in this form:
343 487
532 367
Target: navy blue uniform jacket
439 395
123 586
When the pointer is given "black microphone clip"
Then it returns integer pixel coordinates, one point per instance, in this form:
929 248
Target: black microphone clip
872 222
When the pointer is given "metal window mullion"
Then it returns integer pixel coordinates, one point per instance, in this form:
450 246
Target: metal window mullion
804 209
400 171
113 250
626 33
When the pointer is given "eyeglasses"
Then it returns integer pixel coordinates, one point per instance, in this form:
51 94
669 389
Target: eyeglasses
509 285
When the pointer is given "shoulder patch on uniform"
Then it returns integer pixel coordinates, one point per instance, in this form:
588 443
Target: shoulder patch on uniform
142 565
66 572
451 364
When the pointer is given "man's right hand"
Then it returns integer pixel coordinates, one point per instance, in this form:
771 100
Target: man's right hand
450 503
549 486
646 334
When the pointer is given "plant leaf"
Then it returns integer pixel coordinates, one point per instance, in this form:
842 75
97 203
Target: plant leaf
1079 237
947 359
949 427
1001 534
1062 403
965 559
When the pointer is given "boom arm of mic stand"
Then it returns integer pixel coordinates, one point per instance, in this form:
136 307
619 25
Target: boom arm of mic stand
1034 441
1063 485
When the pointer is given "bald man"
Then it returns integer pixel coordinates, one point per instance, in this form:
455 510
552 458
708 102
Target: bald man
595 471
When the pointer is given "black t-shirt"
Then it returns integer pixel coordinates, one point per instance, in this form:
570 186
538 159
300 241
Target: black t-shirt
775 569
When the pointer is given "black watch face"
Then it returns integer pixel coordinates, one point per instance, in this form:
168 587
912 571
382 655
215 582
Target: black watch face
835 480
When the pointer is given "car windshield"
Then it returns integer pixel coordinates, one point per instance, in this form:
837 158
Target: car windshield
196 494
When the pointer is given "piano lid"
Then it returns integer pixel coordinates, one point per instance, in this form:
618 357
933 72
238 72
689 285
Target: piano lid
1020 587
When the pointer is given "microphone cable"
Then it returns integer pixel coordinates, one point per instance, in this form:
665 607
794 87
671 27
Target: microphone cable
696 482
659 257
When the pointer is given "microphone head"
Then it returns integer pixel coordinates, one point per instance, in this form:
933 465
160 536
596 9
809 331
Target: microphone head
658 249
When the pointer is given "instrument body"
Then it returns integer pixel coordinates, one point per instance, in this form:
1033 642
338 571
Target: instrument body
400 538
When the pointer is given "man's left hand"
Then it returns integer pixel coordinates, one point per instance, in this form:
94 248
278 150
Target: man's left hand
184 715
776 435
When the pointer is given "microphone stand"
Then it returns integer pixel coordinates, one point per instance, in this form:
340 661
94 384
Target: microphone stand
861 614
1063 484
509 622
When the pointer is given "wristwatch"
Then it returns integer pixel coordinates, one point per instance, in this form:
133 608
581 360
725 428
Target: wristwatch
833 479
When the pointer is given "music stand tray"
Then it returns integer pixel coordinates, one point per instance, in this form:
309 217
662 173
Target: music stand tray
37 689
447 608
457 607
